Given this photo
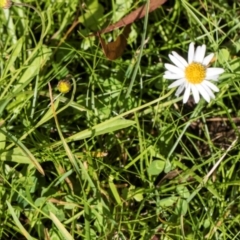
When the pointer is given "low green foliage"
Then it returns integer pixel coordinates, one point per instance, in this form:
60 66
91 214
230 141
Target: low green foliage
118 156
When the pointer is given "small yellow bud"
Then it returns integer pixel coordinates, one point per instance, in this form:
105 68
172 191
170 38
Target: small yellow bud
64 86
5 4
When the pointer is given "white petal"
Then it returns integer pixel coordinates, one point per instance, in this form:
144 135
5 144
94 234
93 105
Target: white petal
209 91
181 59
187 93
174 69
198 54
214 71
168 72
210 85
208 59
177 83
214 78
202 53
170 76
179 90
191 52
203 92
195 93
176 62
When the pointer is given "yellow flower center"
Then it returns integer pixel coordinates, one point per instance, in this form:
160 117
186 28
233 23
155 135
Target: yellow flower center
195 73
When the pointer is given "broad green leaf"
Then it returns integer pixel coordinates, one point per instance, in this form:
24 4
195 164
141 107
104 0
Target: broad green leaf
39 202
156 167
183 191
102 128
92 15
15 155
138 197
181 207
111 85
167 202
223 56
207 223
121 8
133 193
138 194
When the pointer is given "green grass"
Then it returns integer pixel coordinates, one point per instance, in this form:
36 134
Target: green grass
119 156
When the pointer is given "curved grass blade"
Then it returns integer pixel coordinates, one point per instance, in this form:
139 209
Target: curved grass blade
24 150
60 227
18 223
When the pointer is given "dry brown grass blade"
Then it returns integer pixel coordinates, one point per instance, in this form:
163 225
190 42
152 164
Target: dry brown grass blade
133 16
114 50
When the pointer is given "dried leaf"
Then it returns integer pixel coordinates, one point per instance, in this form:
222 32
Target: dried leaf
172 174
133 16
114 50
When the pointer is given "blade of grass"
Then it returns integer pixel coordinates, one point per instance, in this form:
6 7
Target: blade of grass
104 125
74 164
24 150
18 223
141 51
60 227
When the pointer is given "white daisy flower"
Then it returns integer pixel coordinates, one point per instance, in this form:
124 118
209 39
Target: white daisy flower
193 76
